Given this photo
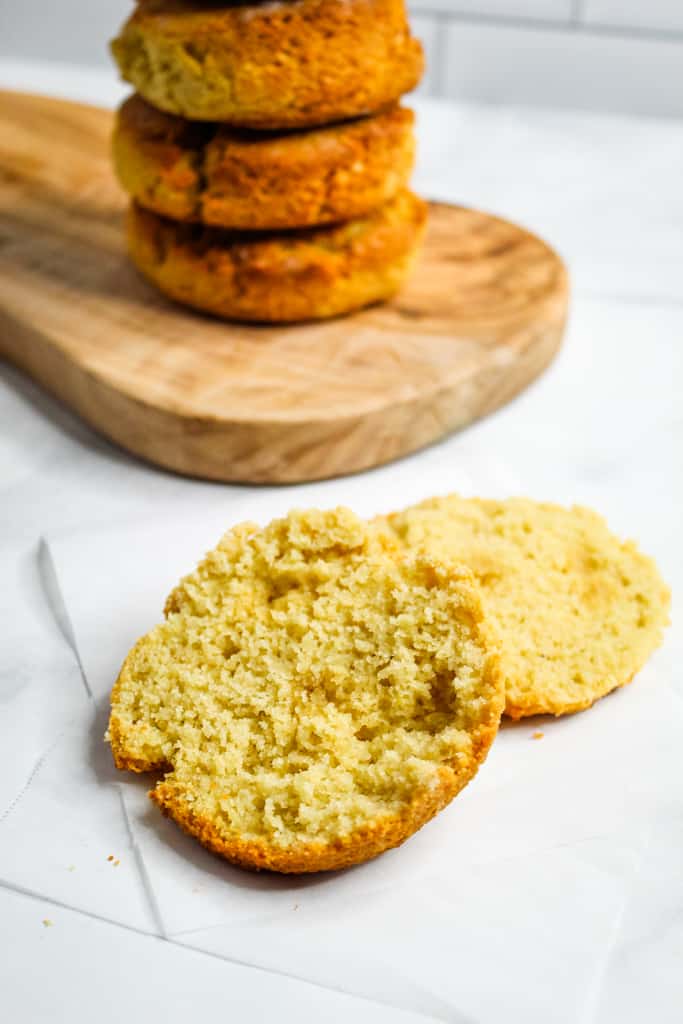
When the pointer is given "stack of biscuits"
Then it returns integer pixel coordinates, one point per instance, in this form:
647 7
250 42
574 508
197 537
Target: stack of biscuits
267 155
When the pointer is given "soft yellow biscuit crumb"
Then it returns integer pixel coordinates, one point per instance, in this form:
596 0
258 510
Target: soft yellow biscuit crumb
314 696
576 610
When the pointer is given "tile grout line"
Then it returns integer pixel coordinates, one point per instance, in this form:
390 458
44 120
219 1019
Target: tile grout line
441 57
576 13
576 24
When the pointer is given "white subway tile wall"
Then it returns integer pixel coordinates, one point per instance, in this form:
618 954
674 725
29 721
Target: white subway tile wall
622 55
613 55
656 15
547 68
427 30
540 10
70 31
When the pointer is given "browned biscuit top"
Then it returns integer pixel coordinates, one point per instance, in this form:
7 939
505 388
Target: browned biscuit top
235 178
270 65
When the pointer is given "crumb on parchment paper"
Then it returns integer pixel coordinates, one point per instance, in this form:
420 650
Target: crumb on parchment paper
537 736
47 923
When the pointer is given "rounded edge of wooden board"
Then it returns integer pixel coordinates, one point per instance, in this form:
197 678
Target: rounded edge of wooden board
273 452
257 453
291 449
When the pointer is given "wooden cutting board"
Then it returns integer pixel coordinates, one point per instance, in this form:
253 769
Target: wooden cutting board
482 315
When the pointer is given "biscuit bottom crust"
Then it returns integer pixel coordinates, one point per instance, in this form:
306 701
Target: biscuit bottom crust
576 611
224 177
298 276
270 65
313 696
306 858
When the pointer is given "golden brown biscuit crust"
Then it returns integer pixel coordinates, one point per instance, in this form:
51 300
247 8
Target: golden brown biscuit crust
303 275
306 858
270 65
235 179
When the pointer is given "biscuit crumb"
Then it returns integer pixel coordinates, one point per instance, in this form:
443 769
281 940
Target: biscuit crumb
110 857
311 635
537 736
116 863
609 604
47 923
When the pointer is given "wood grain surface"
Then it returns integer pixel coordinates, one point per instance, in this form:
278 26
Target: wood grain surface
481 316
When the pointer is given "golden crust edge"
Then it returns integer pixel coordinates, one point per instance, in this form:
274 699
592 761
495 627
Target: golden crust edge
306 858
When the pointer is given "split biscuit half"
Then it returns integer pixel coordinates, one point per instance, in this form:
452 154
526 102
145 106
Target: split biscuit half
313 695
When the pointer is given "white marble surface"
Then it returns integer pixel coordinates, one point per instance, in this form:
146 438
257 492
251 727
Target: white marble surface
603 426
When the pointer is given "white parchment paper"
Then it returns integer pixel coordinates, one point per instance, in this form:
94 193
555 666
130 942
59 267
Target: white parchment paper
519 890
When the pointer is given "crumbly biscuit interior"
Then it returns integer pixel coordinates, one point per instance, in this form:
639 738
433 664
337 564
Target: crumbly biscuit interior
309 680
576 610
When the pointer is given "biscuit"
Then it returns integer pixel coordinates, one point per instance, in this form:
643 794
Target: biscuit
577 611
313 696
302 275
230 178
269 65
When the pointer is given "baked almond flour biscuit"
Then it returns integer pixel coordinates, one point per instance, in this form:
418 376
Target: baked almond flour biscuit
577 611
232 178
294 276
313 696
269 65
